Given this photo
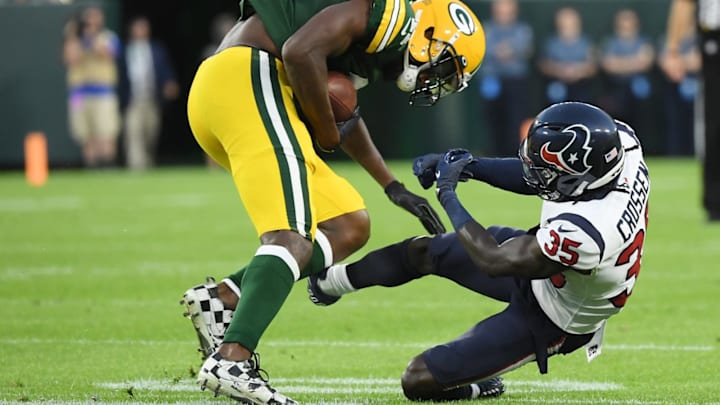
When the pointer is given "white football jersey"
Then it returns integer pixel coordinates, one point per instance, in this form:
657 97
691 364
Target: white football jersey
600 241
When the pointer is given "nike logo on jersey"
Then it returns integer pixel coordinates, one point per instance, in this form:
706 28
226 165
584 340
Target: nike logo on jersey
566 230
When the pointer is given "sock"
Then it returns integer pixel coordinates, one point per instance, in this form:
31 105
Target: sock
336 282
386 267
266 283
321 259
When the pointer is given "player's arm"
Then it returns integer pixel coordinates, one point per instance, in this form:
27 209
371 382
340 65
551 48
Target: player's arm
360 147
503 173
519 256
330 32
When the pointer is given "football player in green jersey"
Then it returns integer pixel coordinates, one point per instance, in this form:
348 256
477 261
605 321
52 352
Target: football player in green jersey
260 104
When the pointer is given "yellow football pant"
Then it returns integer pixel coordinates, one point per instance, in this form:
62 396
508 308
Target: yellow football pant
242 114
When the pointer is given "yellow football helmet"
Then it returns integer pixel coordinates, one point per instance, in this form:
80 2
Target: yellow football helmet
444 51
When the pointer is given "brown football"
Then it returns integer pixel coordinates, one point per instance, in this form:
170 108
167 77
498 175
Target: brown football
343 96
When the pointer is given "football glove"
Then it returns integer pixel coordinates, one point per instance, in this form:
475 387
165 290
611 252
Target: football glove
450 168
415 205
424 169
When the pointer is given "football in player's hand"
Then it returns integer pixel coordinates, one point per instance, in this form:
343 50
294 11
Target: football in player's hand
343 96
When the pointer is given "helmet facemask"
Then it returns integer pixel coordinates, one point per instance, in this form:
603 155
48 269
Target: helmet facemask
441 76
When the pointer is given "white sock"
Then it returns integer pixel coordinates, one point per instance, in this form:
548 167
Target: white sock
336 282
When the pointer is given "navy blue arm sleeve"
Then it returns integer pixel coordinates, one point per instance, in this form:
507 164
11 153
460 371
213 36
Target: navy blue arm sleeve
503 173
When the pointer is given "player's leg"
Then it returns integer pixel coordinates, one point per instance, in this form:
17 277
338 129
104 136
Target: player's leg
470 365
271 165
408 260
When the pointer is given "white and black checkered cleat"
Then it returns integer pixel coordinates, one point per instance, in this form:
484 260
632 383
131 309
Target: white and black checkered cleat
490 388
241 381
208 315
316 295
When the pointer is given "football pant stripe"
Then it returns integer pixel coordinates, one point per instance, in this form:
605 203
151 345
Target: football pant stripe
293 174
296 155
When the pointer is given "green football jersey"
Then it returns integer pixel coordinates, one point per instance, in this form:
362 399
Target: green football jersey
388 31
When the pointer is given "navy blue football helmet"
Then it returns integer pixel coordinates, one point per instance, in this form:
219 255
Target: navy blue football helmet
572 149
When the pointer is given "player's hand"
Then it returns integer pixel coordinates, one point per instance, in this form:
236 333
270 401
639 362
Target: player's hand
415 205
424 168
346 127
450 168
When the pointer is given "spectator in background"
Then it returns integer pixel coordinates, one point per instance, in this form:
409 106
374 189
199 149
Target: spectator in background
626 59
505 74
680 21
90 52
148 80
568 60
681 88
220 26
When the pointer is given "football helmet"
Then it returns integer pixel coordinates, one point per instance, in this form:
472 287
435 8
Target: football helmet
571 150
443 52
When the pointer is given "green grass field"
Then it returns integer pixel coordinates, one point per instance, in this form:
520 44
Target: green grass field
92 266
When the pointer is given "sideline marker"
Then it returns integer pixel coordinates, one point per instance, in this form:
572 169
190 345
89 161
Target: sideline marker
36 159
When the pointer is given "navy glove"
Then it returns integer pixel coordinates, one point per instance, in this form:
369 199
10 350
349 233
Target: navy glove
424 169
416 205
450 168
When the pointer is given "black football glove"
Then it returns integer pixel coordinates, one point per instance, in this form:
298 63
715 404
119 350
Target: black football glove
450 168
415 205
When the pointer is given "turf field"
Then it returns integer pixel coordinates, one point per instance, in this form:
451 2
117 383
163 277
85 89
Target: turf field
92 266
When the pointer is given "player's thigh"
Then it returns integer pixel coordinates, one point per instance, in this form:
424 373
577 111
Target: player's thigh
241 109
494 346
333 195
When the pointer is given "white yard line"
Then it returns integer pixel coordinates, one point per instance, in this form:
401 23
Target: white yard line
327 344
363 386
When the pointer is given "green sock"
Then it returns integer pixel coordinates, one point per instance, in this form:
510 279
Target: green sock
266 283
316 265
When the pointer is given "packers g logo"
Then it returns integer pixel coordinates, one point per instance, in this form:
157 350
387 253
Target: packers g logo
462 19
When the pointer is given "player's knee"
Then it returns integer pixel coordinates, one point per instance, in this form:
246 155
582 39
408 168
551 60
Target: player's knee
358 230
297 245
347 233
418 255
418 383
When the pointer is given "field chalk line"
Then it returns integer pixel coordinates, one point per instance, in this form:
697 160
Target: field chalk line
327 343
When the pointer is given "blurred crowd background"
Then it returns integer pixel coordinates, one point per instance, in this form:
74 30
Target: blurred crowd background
67 62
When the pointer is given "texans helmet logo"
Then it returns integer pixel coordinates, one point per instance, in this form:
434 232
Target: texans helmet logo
572 158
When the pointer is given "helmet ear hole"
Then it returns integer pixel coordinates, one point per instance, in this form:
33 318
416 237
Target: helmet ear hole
429 33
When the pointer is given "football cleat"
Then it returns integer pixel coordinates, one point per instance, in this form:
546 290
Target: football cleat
208 315
490 388
242 381
316 295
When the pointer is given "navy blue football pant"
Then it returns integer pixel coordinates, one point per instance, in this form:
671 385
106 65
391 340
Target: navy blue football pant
518 335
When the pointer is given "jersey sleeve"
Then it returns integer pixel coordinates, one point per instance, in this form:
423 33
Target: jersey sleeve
389 25
572 241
